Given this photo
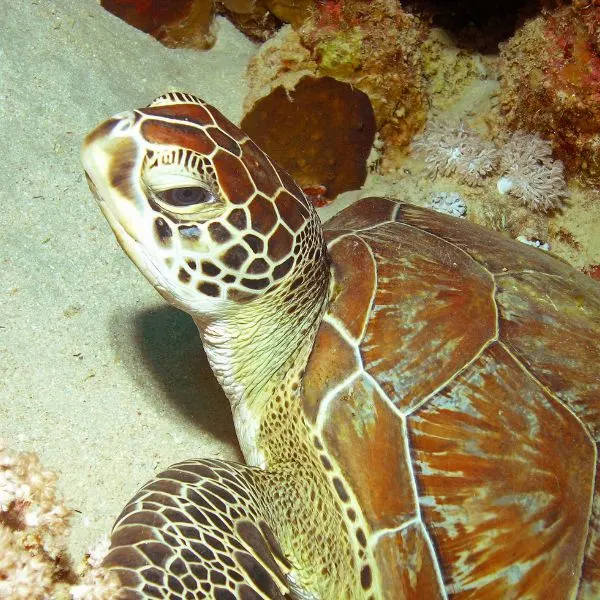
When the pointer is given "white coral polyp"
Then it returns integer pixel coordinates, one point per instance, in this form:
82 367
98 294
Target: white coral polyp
12 489
22 575
449 203
530 174
450 149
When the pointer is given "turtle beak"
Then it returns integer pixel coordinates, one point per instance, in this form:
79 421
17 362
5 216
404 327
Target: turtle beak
101 146
111 158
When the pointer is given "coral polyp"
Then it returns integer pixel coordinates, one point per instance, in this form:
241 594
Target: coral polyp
531 174
450 203
34 525
450 149
525 164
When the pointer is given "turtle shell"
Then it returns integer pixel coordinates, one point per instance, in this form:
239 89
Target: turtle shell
455 382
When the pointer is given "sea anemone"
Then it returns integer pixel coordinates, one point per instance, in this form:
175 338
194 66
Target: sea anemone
530 174
450 149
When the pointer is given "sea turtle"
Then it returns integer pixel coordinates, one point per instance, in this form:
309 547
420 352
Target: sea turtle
417 398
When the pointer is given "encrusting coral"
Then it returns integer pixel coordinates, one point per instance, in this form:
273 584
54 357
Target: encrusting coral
550 84
525 164
34 525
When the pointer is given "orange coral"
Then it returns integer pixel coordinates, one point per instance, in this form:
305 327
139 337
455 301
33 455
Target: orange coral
325 130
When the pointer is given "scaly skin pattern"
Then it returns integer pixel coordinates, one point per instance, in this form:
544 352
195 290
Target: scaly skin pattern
417 398
236 244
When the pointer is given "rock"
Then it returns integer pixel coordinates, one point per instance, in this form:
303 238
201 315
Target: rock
551 85
374 46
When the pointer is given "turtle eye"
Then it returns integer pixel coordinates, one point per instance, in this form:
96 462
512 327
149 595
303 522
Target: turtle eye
187 196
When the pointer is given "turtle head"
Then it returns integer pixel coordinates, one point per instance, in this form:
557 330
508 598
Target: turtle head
207 217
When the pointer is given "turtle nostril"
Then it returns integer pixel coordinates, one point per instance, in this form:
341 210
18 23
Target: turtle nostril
123 122
117 126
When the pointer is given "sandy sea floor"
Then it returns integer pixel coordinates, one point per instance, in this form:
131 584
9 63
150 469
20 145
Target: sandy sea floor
97 374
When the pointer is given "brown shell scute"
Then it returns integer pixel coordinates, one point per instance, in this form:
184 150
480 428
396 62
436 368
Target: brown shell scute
366 213
363 433
482 355
507 470
433 312
496 252
408 568
555 331
335 361
355 283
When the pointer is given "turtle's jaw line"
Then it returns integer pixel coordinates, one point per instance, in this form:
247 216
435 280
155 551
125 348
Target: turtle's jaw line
97 147
116 190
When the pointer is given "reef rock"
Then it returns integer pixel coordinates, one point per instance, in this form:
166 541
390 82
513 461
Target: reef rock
252 17
551 84
190 23
292 11
374 46
178 23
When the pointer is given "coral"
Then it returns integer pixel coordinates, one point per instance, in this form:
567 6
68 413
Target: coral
292 11
450 203
593 271
179 23
324 134
373 46
526 167
450 149
531 174
448 70
22 575
534 242
34 523
251 17
550 84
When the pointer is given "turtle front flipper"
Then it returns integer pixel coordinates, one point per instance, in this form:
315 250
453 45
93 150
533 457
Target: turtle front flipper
197 530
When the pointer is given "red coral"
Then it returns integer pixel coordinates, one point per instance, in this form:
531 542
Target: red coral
593 271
